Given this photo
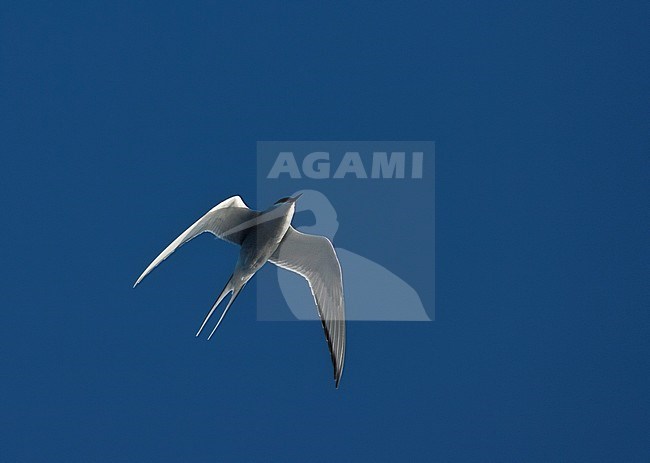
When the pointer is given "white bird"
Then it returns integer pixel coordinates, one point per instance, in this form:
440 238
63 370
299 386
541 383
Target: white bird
269 236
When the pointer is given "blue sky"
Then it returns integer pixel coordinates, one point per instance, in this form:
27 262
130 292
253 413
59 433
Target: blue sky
124 121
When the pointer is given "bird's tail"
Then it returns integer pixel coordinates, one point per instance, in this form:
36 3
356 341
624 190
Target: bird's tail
230 287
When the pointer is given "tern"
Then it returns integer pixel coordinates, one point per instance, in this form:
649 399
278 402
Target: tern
268 236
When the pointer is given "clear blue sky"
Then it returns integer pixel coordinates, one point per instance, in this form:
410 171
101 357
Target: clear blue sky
123 121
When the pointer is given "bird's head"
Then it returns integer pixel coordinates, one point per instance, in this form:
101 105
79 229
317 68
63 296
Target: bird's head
288 199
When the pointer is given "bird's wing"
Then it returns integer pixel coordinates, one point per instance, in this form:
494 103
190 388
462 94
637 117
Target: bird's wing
314 258
228 220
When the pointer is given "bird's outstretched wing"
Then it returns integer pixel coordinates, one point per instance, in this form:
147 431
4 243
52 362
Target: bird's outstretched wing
229 220
313 257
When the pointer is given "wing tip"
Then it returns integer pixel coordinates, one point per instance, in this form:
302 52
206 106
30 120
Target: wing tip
149 269
140 278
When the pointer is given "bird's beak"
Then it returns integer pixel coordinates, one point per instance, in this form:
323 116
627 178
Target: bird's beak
295 198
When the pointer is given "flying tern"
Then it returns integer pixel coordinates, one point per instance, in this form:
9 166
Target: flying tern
268 236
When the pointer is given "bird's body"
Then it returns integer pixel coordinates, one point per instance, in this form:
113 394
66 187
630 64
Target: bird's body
269 237
263 239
